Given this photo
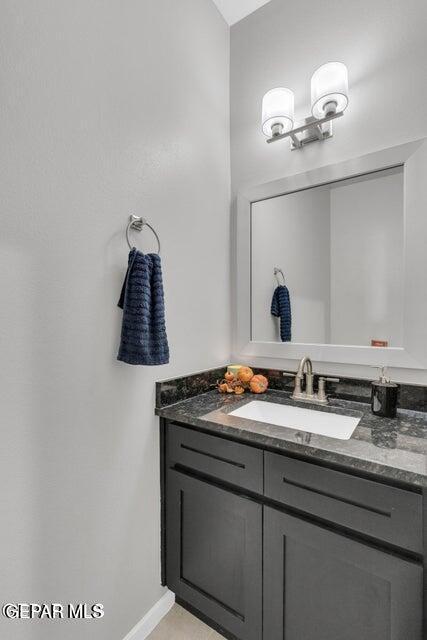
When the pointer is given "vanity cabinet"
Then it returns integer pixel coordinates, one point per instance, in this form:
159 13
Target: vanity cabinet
267 547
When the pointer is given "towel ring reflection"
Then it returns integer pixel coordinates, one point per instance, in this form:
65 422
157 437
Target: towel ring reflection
137 223
276 275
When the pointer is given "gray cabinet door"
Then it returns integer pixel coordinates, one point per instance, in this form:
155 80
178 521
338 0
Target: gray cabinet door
320 585
214 553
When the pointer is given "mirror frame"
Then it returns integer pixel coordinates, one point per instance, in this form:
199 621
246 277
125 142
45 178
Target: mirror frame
413 353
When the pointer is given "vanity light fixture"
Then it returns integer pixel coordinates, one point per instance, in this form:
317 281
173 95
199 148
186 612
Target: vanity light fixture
277 111
329 99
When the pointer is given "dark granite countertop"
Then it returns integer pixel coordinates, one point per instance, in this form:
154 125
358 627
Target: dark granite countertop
394 449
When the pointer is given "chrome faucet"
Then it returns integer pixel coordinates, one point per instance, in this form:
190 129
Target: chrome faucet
298 393
308 395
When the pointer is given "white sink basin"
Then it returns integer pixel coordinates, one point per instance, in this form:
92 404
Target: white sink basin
283 415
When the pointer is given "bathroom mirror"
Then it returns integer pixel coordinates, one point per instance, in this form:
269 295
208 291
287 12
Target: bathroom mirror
338 249
349 242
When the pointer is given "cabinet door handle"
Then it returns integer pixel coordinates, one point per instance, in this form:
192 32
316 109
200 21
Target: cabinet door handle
353 503
213 455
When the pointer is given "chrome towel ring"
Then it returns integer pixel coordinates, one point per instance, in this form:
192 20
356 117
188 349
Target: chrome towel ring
137 223
276 274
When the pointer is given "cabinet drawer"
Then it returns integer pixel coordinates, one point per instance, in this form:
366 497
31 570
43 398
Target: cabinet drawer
223 459
382 512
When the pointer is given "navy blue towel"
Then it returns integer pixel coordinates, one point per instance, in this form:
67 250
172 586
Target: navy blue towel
281 308
143 339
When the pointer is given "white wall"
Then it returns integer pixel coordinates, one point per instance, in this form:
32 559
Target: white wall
107 108
281 44
292 232
367 261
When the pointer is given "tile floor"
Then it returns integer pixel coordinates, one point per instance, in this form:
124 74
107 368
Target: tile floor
178 624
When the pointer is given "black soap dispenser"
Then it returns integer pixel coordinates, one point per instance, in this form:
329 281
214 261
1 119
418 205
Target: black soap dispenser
384 396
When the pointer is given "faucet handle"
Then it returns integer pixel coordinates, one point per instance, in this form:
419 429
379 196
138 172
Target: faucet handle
287 374
321 392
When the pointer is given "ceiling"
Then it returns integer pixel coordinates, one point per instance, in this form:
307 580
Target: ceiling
235 10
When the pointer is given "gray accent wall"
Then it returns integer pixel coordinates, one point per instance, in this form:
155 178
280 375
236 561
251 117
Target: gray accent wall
108 108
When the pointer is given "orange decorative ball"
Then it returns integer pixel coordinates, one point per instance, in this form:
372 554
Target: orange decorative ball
238 390
229 376
245 374
258 384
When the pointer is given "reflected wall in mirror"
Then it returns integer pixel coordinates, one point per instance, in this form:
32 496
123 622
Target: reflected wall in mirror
341 249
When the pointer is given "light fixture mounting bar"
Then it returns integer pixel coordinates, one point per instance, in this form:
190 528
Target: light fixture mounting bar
319 132
310 124
297 143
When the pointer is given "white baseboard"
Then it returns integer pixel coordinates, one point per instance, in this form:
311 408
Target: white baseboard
152 618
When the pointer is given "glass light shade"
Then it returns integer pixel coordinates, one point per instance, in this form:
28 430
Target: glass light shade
277 109
329 85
